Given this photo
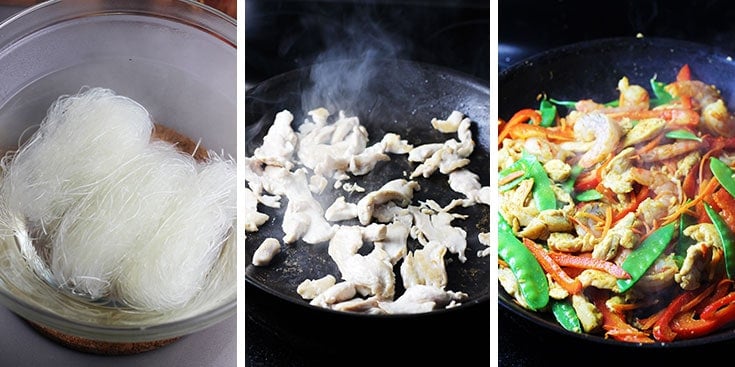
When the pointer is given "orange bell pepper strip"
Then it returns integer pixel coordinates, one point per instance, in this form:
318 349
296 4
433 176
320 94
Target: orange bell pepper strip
525 131
674 116
573 286
685 73
519 117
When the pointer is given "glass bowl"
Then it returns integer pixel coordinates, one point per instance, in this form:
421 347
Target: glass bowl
178 59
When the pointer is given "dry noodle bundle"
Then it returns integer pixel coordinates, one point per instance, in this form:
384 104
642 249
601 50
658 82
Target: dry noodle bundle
114 214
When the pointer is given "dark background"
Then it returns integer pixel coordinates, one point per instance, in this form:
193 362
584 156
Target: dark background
526 28
281 36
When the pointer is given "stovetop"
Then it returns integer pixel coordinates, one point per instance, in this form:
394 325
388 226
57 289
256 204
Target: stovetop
526 28
281 36
284 35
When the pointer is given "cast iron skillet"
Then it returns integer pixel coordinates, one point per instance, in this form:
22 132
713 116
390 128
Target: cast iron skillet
592 70
387 96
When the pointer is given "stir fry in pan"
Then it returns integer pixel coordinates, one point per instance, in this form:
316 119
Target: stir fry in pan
618 217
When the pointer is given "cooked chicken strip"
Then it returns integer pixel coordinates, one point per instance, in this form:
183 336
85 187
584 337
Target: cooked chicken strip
399 191
438 228
394 144
253 218
339 292
362 305
423 152
425 266
394 242
345 243
279 143
341 210
422 298
468 184
450 125
371 274
304 216
484 238
310 288
266 251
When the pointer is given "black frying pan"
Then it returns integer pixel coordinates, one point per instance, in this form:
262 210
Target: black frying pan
592 70
387 96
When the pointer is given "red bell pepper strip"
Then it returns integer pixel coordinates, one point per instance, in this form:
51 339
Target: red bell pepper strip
710 312
614 323
587 181
587 262
726 203
718 309
662 329
718 291
573 286
633 205
687 325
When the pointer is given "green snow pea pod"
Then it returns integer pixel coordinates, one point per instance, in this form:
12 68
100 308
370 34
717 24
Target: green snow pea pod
518 165
565 315
531 278
726 236
543 194
568 185
723 173
638 261
659 90
589 195
547 110
683 242
682 135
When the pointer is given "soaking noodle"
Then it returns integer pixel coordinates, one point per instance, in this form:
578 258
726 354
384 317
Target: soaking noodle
618 218
113 217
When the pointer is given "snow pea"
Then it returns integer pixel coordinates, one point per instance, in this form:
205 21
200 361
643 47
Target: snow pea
543 194
682 135
565 315
641 259
659 90
531 278
726 236
518 165
683 242
568 185
589 195
723 173
547 110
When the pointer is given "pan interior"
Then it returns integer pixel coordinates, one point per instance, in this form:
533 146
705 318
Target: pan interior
401 98
591 70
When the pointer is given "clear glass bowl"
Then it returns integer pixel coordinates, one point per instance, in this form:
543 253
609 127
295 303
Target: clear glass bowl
175 57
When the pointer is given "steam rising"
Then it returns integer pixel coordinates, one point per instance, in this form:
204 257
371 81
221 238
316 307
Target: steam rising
341 74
